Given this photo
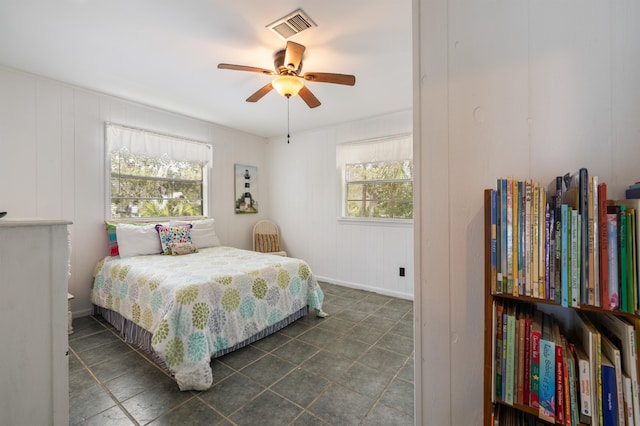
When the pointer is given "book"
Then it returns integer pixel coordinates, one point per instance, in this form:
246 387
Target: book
527 243
564 255
634 205
589 338
499 311
628 402
612 352
542 241
560 379
609 396
547 409
510 358
527 359
577 185
494 242
613 295
584 380
591 243
519 395
509 239
632 193
556 189
574 256
535 240
550 245
573 390
504 352
625 303
536 334
625 333
603 246
502 237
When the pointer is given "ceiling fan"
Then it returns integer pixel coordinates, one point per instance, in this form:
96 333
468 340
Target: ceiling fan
289 82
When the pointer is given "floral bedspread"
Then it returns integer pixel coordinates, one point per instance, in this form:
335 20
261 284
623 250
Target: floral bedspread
198 304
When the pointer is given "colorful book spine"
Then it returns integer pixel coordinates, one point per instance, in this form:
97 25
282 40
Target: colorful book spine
564 256
556 187
584 379
573 389
542 239
503 233
527 360
574 271
550 256
595 258
516 240
511 333
622 259
628 400
603 240
609 395
528 208
536 327
547 409
632 193
613 295
519 376
498 350
494 242
591 242
534 235
510 235
559 370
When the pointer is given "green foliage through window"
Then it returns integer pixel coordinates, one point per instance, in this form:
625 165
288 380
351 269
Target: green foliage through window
379 190
154 187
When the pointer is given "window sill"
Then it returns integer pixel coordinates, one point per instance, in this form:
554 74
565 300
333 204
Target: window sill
401 223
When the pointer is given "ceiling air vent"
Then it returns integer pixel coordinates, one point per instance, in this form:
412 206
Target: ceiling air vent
292 24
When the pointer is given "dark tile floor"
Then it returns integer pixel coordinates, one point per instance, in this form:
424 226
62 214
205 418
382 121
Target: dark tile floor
354 367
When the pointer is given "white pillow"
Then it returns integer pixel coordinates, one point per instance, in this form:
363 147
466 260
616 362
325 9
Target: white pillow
203 232
137 240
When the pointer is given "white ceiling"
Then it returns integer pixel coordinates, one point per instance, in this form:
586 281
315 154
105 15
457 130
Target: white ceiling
165 53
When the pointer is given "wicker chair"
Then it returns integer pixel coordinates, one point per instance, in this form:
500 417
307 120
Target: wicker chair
266 238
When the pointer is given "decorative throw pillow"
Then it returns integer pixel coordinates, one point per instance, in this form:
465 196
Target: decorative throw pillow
173 234
203 232
178 249
267 243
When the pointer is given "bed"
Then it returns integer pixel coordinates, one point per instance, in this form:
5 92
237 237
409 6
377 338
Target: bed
185 310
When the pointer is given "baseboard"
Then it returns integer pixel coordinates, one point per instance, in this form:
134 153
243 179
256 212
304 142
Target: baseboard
82 313
378 290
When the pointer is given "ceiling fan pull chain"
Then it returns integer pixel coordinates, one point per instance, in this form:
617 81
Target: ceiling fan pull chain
288 135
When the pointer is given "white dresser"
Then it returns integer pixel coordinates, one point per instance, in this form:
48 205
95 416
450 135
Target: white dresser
34 268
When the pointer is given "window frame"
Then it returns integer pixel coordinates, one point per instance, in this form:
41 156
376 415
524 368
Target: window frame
203 158
344 183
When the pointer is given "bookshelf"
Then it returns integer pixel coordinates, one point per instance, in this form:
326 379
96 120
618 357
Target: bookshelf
493 404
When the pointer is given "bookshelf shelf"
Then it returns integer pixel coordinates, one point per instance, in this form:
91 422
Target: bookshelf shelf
493 403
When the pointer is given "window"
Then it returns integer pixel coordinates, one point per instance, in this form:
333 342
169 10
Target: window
377 178
153 175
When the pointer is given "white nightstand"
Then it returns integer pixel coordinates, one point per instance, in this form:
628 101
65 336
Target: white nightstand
70 297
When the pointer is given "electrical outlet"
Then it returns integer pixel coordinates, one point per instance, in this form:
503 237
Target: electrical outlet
401 271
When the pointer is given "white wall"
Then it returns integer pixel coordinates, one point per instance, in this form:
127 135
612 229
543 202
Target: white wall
52 164
305 196
529 89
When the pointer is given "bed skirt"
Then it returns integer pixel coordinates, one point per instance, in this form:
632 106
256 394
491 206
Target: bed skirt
134 334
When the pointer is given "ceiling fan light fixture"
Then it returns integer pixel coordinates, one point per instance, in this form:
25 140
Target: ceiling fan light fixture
287 85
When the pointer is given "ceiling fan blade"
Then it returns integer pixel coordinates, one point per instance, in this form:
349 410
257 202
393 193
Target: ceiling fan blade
260 93
293 55
309 98
245 68
326 77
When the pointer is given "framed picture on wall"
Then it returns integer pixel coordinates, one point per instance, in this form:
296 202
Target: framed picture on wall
246 192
